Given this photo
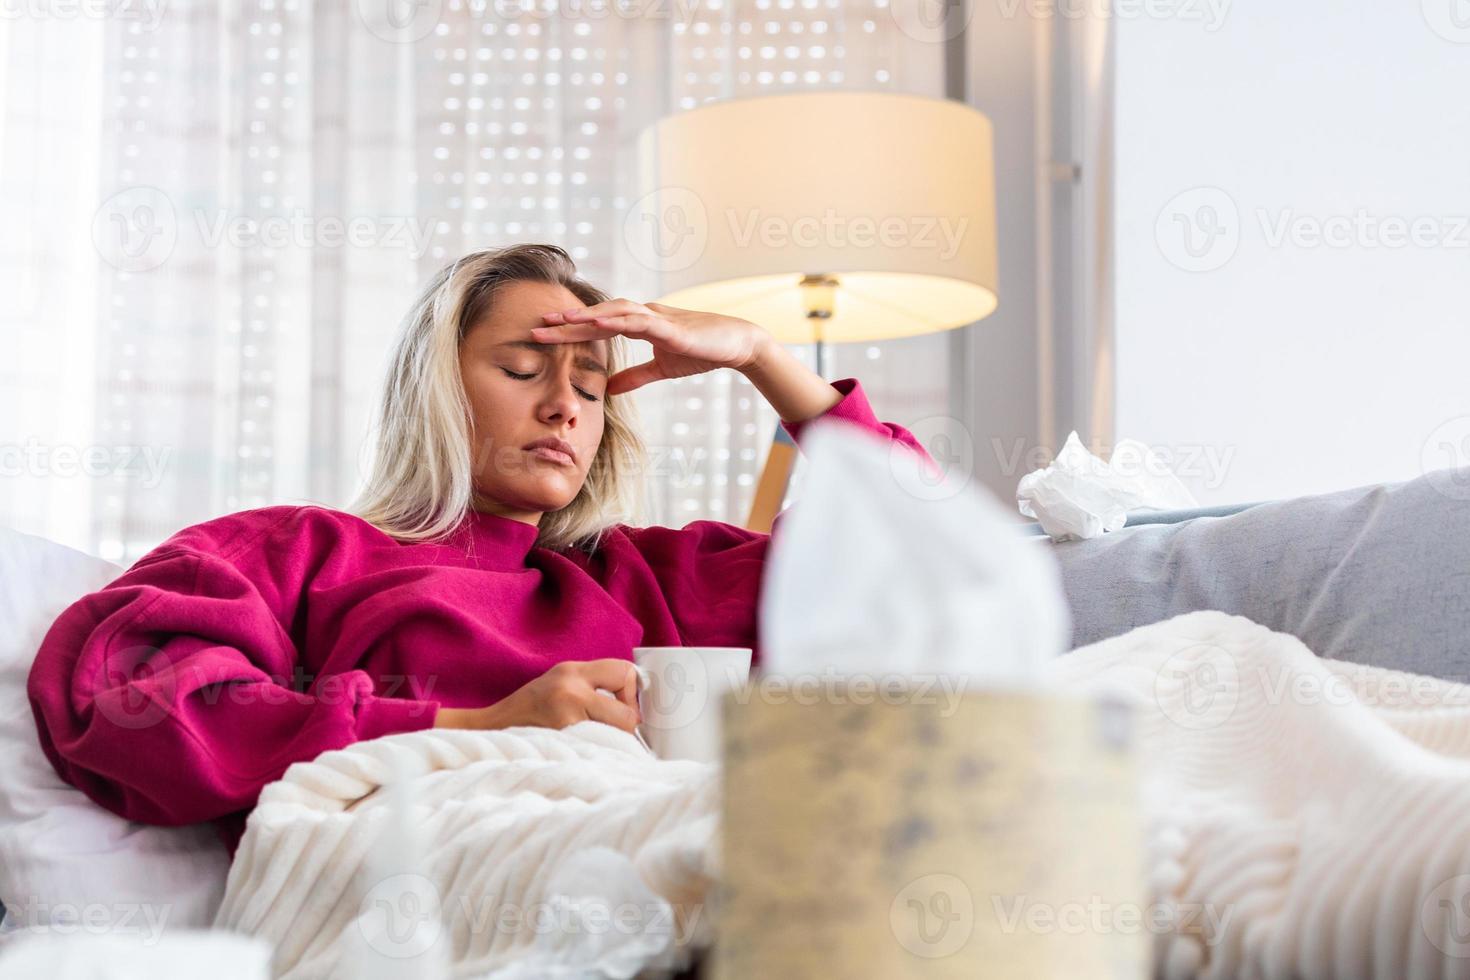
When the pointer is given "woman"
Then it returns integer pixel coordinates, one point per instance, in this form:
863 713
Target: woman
484 578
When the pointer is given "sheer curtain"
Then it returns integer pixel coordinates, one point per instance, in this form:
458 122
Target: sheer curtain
217 213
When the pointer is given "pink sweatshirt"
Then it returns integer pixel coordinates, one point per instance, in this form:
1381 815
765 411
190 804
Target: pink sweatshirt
263 638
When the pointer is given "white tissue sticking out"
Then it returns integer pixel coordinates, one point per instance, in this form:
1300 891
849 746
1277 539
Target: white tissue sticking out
81 955
400 929
1080 496
882 570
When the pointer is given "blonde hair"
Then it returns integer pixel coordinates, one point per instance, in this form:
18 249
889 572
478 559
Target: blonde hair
421 485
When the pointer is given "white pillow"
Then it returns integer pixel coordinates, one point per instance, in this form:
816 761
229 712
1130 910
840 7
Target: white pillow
63 858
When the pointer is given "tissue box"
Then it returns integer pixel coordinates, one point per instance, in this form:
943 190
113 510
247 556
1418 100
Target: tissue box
976 834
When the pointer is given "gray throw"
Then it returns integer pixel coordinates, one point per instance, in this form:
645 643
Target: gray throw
1376 575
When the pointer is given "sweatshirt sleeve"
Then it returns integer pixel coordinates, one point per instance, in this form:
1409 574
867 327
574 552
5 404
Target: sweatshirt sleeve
710 571
168 697
854 409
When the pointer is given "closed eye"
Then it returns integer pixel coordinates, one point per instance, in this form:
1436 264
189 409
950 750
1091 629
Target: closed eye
586 395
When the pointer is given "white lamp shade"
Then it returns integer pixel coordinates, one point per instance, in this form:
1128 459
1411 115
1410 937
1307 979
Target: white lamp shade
894 195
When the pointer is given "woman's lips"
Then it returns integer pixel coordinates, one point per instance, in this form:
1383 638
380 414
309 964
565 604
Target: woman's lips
551 455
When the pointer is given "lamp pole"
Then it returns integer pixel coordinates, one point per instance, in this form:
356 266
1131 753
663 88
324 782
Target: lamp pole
819 300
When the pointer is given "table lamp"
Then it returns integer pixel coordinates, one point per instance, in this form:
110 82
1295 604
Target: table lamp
825 217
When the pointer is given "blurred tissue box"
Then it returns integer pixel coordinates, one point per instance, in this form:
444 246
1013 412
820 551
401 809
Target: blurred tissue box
1080 496
875 823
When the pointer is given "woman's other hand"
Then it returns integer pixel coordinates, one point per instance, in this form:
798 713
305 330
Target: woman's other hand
564 695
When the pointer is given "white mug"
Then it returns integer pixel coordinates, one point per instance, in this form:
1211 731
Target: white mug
680 690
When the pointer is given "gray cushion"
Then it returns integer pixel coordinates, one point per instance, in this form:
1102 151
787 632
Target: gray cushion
1376 575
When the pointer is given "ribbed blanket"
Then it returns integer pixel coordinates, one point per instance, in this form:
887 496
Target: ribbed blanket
1305 819
526 852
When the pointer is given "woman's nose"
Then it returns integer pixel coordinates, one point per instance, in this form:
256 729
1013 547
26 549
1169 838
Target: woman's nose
560 404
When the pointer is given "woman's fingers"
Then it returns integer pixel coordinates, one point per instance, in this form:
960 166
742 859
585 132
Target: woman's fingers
611 674
645 325
613 307
630 379
641 325
571 333
611 711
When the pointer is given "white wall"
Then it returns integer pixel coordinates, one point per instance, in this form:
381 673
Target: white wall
1295 366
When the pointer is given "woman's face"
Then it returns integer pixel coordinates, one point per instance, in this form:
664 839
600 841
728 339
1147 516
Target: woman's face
521 392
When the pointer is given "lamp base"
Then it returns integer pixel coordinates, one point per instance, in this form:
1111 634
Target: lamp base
770 491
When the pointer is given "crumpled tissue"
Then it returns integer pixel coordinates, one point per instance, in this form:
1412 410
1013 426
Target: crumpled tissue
885 569
588 890
1080 496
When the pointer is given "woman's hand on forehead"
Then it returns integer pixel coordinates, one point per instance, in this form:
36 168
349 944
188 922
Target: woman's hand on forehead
685 342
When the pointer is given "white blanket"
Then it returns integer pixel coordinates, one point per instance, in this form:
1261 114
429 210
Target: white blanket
1305 819
529 852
